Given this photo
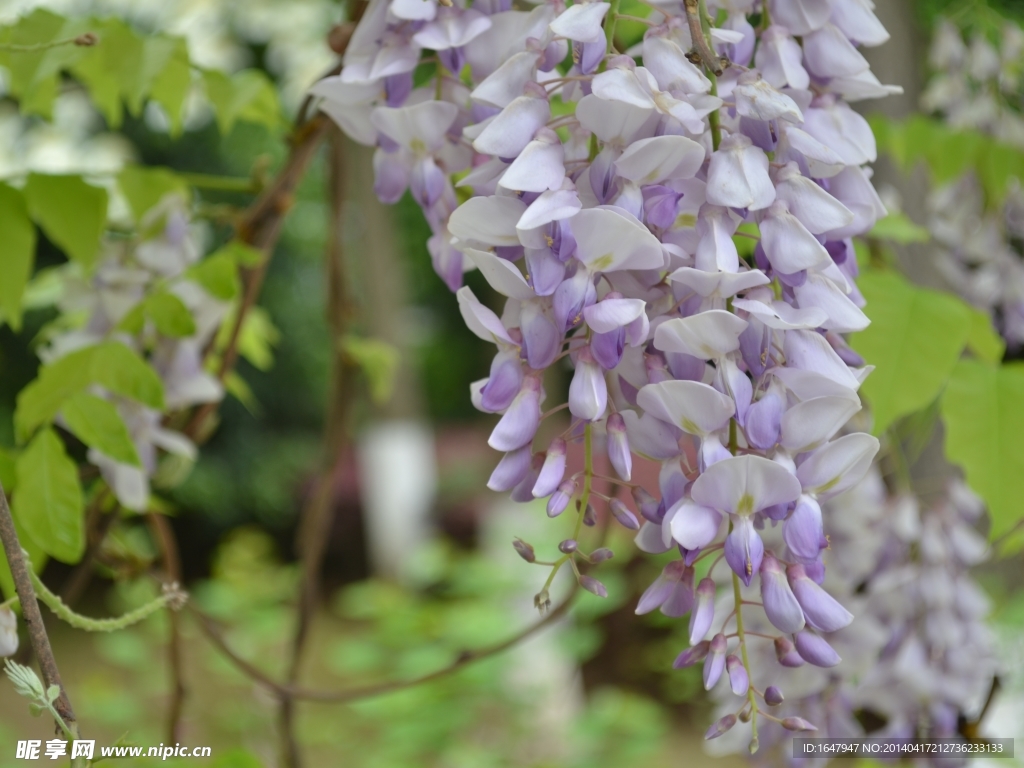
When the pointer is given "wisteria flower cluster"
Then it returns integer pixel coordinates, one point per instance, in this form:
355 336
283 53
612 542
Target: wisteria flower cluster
118 302
977 85
603 194
919 656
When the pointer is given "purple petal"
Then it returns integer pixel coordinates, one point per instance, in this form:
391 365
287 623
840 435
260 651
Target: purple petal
786 653
704 612
504 382
510 471
714 665
739 681
813 649
823 611
780 604
680 599
691 656
519 424
803 530
552 470
618 447
744 549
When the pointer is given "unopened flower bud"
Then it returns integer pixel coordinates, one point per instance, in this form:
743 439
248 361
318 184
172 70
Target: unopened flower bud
623 516
525 550
590 516
600 555
786 653
691 656
773 696
568 546
815 650
720 726
618 447
745 714
797 724
560 498
591 584
647 504
704 611
542 601
715 662
739 681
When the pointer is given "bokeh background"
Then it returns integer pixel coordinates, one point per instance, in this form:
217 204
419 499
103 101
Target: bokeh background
418 565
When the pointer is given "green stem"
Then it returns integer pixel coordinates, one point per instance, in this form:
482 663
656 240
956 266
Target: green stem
78 621
609 27
738 599
714 119
588 476
221 183
85 40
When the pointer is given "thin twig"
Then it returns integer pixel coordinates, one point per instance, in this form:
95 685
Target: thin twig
210 629
168 545
700 44
33 616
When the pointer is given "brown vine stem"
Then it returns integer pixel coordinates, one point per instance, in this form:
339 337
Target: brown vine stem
314 529
214 634
33 616
172 571
700 43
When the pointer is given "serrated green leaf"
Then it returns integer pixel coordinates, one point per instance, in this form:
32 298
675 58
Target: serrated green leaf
39 402
144 187
983 341
247 95
983 411
898 228
73 214
17 252
217 274
124 373
111 364
914 340
49 502
172 84
170 315
97 423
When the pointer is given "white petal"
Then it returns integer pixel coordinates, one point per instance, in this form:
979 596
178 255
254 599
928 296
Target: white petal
843 315
552 205
694 526
788 245
807 385
670 67
609 239
537 169
612 121
502 275
488 220
839 127
452 30
650 539
716 250
622 85
828 53
479 319
744 485
822 161
507 82
650 161
650 437
760 101
738 175
414 10
696 408
838 466
801 16
582 22
707 335
812 352
418 127
719 284
813 206
782 316
511 130
812 423
611 314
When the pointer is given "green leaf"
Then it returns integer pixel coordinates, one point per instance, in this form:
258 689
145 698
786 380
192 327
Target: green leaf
379 361
39 402
217 274
8 477
243 254
144 187
984 342
257 338
983 410
49 500
28 80
247 95
170 315
172 85
897 228
914 340
73 214
35 554
97 423
124 373
111 364
17 252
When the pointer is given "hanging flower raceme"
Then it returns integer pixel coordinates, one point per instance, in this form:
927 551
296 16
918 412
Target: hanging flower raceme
603 195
